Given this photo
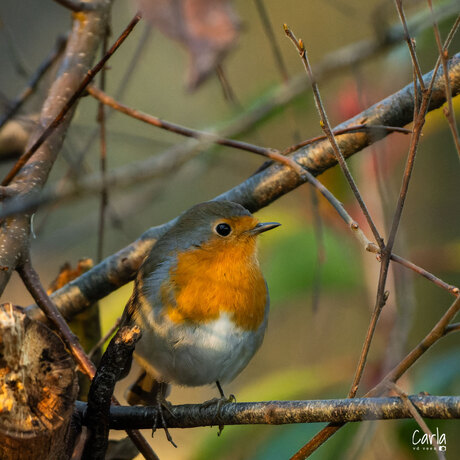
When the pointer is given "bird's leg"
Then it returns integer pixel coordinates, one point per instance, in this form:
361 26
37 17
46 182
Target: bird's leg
219 402
162 404
230 399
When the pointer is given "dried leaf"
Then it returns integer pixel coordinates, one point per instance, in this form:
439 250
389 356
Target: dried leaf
67 274
206 28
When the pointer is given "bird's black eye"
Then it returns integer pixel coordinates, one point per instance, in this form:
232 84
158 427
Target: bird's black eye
223 229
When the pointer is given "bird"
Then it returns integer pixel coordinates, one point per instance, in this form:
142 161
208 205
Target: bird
200 301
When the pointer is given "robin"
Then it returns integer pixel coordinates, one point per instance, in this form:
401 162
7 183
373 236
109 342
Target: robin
200 300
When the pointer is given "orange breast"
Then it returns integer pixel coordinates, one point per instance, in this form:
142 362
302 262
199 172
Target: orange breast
217 278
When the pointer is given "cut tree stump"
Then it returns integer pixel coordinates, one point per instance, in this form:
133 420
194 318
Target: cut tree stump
38 387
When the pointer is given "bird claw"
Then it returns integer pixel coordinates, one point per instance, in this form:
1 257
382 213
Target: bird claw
164 405
219 402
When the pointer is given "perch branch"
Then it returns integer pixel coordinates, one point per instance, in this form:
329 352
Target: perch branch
283 412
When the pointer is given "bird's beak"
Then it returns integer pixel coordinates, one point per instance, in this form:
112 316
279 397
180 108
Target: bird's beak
263 227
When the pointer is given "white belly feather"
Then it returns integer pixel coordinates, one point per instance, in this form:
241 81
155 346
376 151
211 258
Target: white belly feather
197 355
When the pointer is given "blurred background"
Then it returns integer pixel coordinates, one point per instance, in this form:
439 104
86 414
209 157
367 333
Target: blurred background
322 284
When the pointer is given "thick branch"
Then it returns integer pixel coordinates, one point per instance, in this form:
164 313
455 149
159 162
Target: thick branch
256 192
284 412
80 49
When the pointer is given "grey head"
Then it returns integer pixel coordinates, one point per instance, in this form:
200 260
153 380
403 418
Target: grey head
192 228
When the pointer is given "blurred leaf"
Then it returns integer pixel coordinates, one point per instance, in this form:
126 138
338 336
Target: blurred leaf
206 28
441 375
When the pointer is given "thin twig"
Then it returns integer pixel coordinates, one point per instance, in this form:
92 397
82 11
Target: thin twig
31 280
77 168
349 129
449 110
103 158
381 295
283 412
105 338
436 333
328 131
410 44
270 33
454 327
417 417
273 154
70 102
227 90
33 82
454 290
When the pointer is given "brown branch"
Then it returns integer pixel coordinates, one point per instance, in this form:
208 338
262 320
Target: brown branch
454 290
454 327
34 81
59 118
344 58
258 191
283 412
410 44
32 282
336 132
273 154
80 49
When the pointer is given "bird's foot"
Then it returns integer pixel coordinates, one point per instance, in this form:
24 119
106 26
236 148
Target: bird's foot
219 403
162 405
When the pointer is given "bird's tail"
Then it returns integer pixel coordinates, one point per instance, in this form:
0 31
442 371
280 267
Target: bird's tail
146 391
